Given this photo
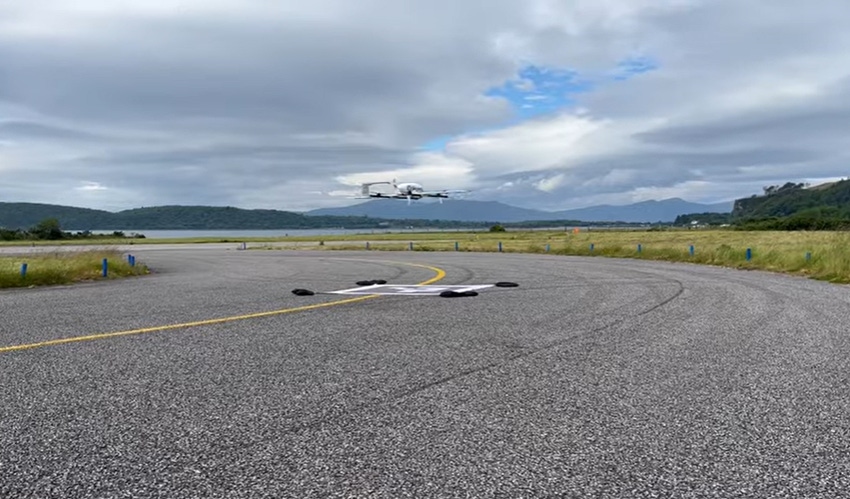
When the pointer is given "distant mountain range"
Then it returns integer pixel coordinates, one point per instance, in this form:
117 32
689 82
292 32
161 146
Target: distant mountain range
373 214
493 211
26 215
791 206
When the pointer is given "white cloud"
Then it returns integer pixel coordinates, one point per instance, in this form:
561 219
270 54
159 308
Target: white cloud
549 184
617 177
91 186
525 85
535 145
434 171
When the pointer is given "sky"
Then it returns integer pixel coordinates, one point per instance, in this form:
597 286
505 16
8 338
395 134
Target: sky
288 104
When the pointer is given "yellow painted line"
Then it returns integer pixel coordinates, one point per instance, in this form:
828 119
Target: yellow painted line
440 274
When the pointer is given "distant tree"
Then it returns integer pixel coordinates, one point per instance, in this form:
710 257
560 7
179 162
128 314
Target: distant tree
11 234
497 228
708 218
48 228
790 186
787 186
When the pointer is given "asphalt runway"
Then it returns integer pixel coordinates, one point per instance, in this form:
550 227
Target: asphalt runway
595 378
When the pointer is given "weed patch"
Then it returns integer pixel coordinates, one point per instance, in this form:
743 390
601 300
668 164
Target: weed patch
64 267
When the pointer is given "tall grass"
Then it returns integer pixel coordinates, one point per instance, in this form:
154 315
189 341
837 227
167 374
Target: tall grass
65 267
779 251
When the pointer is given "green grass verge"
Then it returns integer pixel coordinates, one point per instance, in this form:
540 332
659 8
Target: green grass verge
398 236
132 242
779 251
65 267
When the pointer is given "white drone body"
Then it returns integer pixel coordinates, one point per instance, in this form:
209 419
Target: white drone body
406 190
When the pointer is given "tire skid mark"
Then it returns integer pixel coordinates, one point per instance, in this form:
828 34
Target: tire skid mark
528 352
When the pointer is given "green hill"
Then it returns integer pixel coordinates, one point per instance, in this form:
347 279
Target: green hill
787 207
792 199
26 215
796 207
791 206
210 217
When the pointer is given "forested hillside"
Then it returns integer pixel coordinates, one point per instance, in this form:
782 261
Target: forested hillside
209 217
796 207
26 215
791 206
791 198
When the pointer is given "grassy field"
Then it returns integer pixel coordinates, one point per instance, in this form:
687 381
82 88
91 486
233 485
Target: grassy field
64 267
130 242
820 255
401 236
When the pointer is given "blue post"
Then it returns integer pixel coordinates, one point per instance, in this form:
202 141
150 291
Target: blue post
500 246
547 248
105 266
691 250
639 248
132 261
749 254
367 244
411 245
591 247
808 256
23 270
457 246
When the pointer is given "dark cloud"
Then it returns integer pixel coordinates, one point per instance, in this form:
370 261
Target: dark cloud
304 77
22 130
805 126
267 104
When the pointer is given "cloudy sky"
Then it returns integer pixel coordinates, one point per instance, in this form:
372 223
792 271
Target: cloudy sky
289 104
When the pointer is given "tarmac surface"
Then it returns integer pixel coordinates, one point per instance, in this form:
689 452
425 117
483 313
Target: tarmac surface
595 377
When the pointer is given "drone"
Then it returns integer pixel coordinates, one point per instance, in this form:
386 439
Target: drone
406 190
